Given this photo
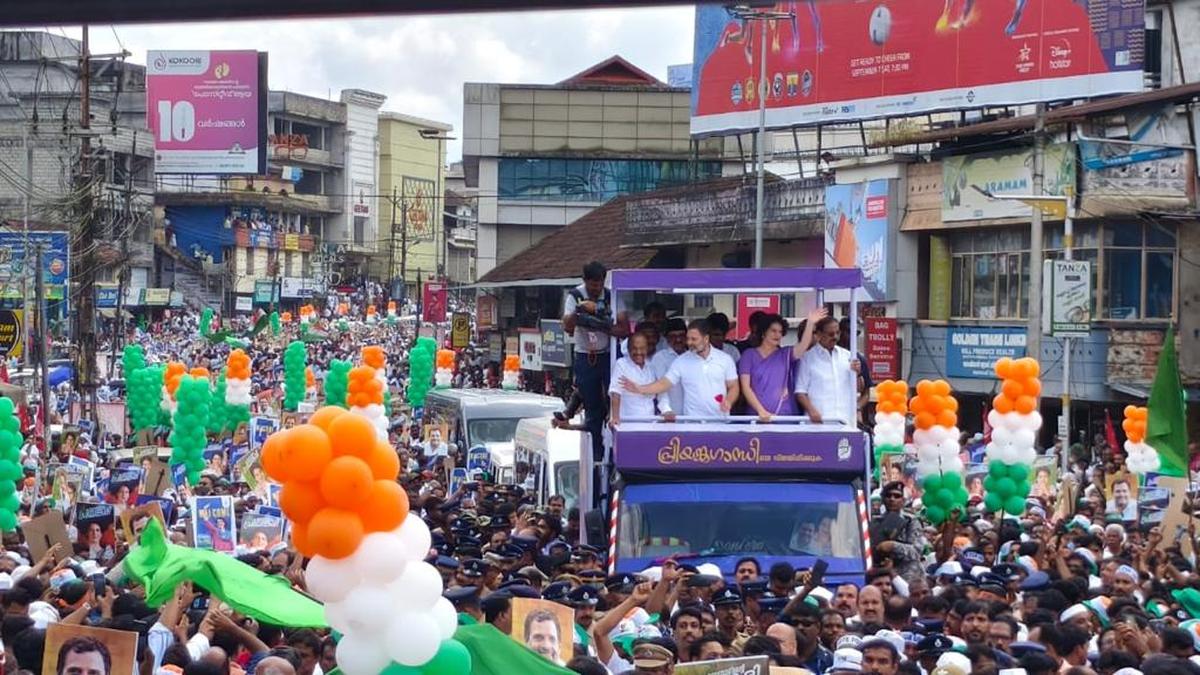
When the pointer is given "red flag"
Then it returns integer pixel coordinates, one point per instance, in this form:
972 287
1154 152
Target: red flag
1110 434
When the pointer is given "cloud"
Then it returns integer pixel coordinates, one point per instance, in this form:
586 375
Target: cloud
421 62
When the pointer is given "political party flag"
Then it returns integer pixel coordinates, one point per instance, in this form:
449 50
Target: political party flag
1166 428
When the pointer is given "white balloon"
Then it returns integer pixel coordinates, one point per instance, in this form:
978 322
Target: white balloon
364 606
995 419
923 437
415 537
380 557
951 434
1034 421
330 580
1000 435
892 419
1014 420
1025 438
417 588
954 465
412 638
927 468
446 618
336 617
361 655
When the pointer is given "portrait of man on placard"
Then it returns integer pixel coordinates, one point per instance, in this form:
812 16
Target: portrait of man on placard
545 627
85 650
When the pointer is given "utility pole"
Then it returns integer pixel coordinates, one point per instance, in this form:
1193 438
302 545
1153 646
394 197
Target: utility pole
85 333
391 273
123 277
25 228
42 336
1033 339
404 249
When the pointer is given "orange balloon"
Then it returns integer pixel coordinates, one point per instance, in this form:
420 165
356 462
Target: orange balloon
384 461
1032 387
385 507
925 420
1130 410
352 435
1012 388
1002 404
272 457
951 404
307 452
917 405
335 533
1127 424
1143 413
326 415
300 501
883 407
300 540
941 388
935 404
947 418
1004 368
1025 405
345 482
925 388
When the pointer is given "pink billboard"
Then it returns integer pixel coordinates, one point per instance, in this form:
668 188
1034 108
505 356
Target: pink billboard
207 111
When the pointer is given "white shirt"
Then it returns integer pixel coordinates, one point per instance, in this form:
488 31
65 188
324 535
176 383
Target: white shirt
660 363
634 405
438 450
704 380
586 341
831 385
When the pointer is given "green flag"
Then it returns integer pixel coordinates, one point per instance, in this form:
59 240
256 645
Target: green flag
1166 428
161 566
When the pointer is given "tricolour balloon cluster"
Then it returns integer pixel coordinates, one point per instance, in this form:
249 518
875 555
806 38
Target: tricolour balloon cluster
391 308
188 438
890 410
371 314
366 398
1015 421
376 357
367 553
295 360
420 369
1140 456
10 464
217 408
939 466
133 359
237 390
445 369
171 377
144 388
512 372
337 382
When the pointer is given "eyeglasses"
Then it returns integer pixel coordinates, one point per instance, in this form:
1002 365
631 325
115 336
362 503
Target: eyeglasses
893 495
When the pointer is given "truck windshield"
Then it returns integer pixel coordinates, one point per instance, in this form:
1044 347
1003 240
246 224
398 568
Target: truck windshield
501 430
567 477
723 519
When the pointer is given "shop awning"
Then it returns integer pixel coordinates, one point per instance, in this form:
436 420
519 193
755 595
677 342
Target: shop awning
1142 391
111 313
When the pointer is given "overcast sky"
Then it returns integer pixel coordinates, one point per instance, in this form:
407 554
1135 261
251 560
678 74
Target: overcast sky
421 62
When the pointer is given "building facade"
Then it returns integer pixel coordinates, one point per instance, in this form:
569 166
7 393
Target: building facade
541 156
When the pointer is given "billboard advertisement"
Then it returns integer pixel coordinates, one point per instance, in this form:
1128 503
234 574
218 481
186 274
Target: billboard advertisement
883 353
207 110
18 251
857 233
845 60
1001 173
972 351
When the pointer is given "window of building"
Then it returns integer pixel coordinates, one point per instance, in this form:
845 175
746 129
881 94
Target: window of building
288 264
787 305
595 180
249 261
360 230
1133 269
702 301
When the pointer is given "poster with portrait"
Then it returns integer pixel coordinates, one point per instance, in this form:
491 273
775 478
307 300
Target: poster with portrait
1121 493
86 469
66 486
1044 481
739 665
216 459
259 532
122 490
134 520
249 471
237 452
74 649
213 525
156 479
547 628
95 528
974 476
903 468
144 454
260 428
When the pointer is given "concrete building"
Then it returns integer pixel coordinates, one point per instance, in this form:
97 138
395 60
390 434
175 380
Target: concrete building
541 156
412 242
358 231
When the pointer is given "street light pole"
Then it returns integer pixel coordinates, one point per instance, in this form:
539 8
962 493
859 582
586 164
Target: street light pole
749 13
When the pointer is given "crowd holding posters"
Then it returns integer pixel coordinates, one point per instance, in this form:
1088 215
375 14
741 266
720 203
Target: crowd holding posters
213 525
94 527
259 532
545 627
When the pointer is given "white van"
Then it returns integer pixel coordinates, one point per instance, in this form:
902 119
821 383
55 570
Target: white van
553 456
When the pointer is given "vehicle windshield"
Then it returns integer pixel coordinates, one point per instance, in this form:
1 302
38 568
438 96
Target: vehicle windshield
502 430
717 519
567 477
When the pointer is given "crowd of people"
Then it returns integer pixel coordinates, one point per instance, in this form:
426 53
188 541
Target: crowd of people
1077 583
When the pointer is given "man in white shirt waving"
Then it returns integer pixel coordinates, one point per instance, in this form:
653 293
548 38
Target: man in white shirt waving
827 379
707 376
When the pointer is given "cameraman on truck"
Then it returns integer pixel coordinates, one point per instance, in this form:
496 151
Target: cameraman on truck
588 316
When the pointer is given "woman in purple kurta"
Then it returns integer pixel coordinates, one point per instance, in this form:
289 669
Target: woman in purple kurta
765 372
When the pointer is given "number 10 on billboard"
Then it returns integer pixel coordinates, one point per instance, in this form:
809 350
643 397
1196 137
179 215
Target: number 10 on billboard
176 121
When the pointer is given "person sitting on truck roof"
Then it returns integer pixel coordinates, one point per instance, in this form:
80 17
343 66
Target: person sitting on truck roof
708 376
827 379
634 368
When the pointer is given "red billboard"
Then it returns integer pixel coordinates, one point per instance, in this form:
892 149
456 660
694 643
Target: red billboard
433 302
883 355
843 60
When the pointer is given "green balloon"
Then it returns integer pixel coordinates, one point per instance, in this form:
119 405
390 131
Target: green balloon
945 498
1018 472
8 520
935 514
1014 505
397 669
6 406
993 502
452 658
1005 487
951 480
997 469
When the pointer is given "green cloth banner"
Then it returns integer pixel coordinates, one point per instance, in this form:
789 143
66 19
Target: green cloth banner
161 566
1166 426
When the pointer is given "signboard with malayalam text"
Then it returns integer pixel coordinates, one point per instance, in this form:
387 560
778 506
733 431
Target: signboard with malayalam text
692 449
556 348
207 111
